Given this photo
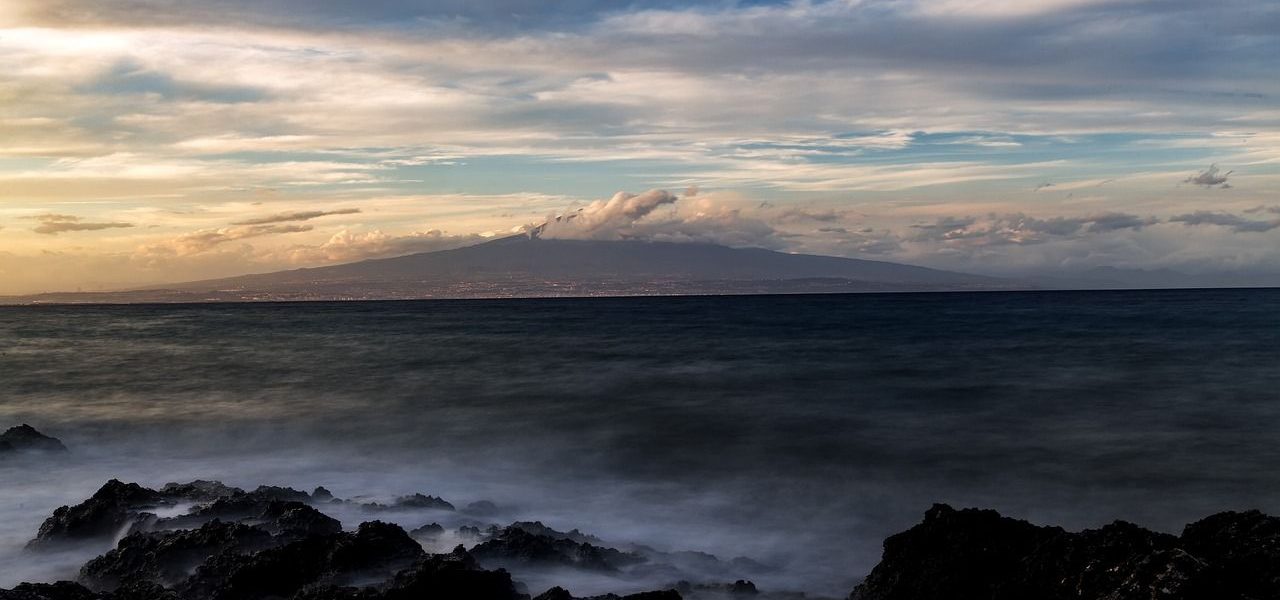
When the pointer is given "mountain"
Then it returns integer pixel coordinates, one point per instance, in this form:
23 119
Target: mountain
521 266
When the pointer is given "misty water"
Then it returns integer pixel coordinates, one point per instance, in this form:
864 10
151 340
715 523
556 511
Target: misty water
796 431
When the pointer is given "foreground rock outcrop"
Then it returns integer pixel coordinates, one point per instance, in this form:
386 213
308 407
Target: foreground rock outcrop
220 542
979 554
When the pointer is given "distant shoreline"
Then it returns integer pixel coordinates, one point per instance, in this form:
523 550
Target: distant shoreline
106 298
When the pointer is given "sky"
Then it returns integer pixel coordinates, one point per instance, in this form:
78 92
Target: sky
153 141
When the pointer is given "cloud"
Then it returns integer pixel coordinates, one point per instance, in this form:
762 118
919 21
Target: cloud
626 216
1234 222
305 215
348 246
198 242
1021 229
1210 178
792 215
53 224
606 219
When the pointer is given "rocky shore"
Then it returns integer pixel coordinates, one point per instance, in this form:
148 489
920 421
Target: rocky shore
204 540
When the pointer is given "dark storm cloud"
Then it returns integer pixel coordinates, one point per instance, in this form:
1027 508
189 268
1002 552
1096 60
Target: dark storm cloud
304 215
53 224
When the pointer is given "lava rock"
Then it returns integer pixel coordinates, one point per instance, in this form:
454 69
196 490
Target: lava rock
515 545
199 491
280 517
559 593
167 558
430 530
412 502
322 494
62 590
453 575
738 589
1242 550
979 554
106 513
25 438
375 552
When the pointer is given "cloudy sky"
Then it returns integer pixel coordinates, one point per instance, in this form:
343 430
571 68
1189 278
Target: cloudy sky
145 141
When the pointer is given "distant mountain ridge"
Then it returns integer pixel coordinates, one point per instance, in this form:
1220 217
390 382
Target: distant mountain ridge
617 259
521 266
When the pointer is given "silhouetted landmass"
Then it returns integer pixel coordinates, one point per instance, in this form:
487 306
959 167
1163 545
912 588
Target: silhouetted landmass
528 267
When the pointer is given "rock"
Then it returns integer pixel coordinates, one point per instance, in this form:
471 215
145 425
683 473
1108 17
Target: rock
515 545
62 590
454 575
320 494
25 438
296 519
430 530
559 593
167 558
979 554
375 552
287 494
103 515
412 502
537 528
199 491
280 517
555 593
738 589
1242 550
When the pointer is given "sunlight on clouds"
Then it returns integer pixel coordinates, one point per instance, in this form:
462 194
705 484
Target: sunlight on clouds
191 124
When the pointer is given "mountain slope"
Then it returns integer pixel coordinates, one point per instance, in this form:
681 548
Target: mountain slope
594 260
520 266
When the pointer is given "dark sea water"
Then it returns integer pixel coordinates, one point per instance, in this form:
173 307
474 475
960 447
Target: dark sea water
798 431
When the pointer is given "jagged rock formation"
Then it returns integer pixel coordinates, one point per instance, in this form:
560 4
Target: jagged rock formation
273 543
516 544
960 554
25 438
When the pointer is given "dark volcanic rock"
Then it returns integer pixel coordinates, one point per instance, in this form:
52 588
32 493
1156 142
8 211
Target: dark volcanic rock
1242 550
286 494
63 590
454 575
516 545
737 589
25 438
281 517
199 491
375 552
430 530
167 558
410 502
103 515
980 554
559 593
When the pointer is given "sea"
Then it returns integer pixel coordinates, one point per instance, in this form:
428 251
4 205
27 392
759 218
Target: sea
795 431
